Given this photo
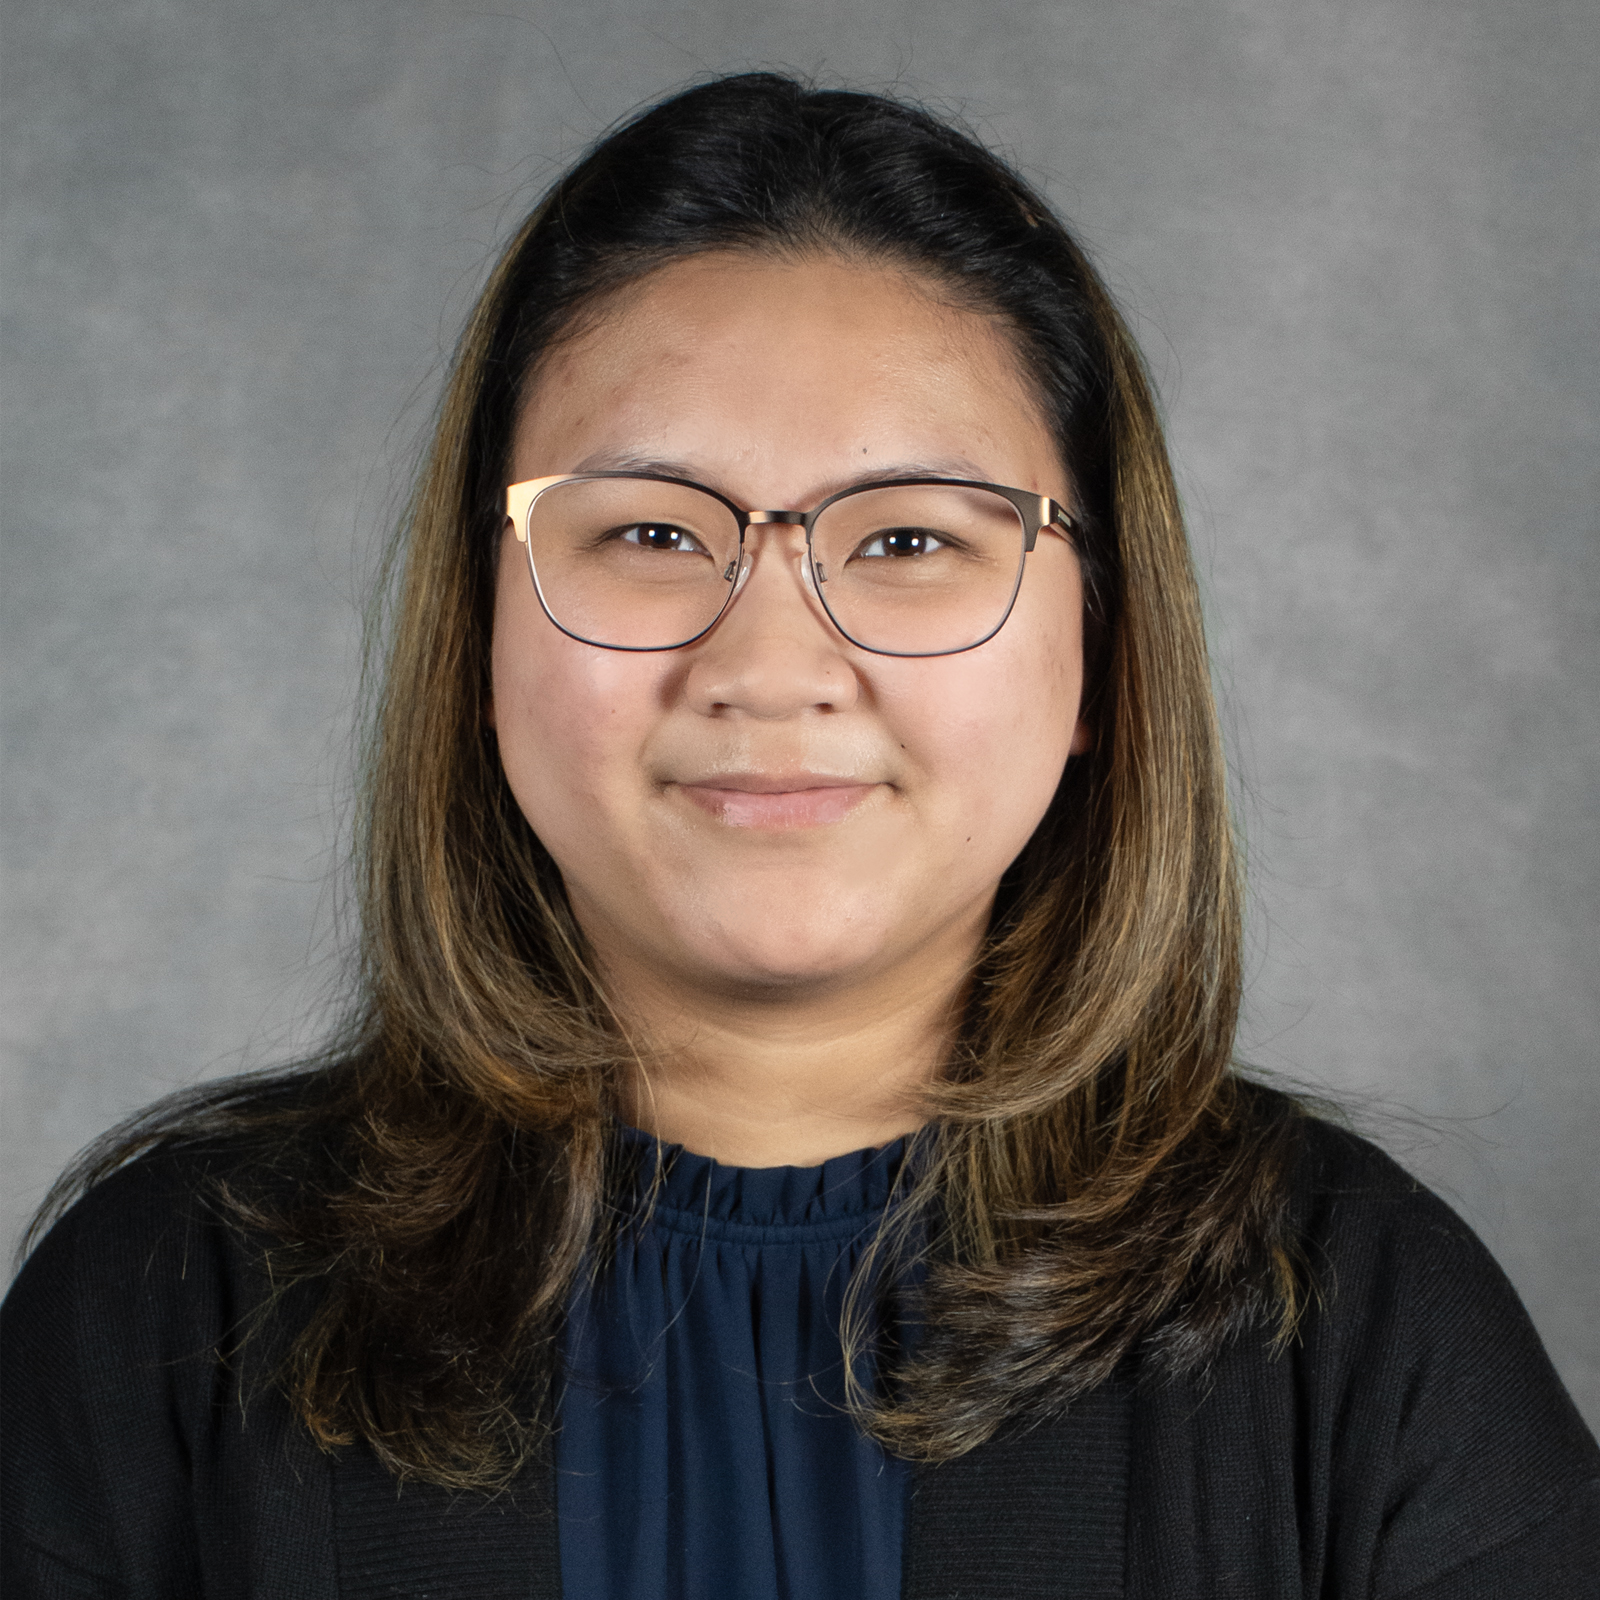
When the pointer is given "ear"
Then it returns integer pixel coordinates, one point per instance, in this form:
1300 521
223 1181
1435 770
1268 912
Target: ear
1082 739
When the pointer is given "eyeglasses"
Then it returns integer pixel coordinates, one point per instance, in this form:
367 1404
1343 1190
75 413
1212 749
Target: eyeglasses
903 567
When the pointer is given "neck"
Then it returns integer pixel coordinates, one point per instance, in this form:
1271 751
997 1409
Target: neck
786 1080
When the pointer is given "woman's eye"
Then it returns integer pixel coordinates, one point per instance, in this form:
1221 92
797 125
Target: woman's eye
661 536
902 542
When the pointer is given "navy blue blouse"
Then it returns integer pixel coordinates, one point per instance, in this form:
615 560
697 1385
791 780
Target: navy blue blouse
704 1450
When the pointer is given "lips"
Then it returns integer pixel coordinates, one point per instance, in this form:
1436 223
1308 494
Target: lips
776 801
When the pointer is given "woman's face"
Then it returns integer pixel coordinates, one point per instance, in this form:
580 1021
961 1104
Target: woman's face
771 809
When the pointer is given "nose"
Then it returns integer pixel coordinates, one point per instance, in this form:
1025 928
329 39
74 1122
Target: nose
774 653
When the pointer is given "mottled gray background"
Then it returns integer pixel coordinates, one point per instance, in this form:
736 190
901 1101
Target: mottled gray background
1357 238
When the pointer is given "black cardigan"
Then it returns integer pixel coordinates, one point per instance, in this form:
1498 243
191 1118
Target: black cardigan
1414 1442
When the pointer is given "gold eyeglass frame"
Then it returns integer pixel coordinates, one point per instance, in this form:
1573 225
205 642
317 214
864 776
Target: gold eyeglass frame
1037 511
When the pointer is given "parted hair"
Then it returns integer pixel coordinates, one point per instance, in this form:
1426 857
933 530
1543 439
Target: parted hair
1095 1183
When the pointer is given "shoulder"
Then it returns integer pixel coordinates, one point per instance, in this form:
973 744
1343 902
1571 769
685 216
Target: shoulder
163 1218
147 1228
1385 1258
107 1338
1410 1439
144 1276
1395 1279
158 1244
1353 1200
1448 1433
124 1340
163 1245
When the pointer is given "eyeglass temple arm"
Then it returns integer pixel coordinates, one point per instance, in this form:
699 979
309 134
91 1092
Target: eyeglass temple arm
522 495
1052 514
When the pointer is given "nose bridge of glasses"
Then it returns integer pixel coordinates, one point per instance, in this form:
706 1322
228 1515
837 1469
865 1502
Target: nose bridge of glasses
792 548
773 519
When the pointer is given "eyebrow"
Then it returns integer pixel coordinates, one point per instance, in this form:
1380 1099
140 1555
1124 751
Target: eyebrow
657 467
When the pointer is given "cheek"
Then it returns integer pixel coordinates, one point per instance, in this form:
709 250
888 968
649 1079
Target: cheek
997 757
993 729
560 716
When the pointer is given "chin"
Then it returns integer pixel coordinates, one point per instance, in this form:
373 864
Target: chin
782 952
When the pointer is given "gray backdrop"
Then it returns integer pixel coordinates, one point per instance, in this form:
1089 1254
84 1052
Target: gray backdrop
1358 240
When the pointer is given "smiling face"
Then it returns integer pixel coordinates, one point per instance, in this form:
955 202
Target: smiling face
772 811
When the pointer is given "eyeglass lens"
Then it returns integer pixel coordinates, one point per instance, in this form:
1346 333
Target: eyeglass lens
647 565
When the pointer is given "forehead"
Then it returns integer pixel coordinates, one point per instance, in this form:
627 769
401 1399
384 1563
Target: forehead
743 361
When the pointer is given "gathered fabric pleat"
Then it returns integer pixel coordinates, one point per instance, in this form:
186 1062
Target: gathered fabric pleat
704 1447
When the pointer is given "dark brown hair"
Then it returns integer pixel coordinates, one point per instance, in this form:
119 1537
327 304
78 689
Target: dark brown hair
1094 1181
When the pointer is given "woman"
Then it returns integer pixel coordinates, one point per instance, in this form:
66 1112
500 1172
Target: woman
788 1145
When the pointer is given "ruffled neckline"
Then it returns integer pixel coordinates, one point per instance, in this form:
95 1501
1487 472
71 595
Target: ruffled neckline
699 1194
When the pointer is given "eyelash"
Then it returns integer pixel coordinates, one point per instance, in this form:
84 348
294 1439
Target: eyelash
696 548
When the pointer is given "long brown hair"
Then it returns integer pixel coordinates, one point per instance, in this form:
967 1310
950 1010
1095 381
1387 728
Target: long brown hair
1094 1181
